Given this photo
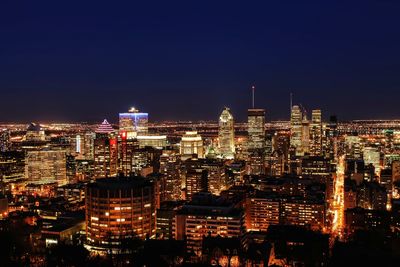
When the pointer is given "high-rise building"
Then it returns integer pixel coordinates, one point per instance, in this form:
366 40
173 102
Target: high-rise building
134 123
4 140
371 155
353 146
196 180
261 212
256 129
226 134
215 179
84 145
35 133
126 147
192 144
117 209
316 133
12 166
46 166
206 215
170 168
305 135
296 129
105 151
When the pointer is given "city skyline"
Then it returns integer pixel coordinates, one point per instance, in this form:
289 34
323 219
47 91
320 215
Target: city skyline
188 61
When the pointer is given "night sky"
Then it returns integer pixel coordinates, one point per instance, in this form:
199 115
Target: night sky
89 60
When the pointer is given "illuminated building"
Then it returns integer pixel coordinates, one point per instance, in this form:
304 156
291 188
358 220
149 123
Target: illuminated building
118 209
156 141
280 144
256 129
371 155
305 135
71 169
134 123
226 134
318 168
5 143
35 133
396 171
170 168
353 147
371 195
316 133
237 170
166 217
46 166
126 146
304 212
196 181
192 144
262 211
146 160
85 145
296 129
214 170
364 219
12 166
386 181
256 163
105 151
207 215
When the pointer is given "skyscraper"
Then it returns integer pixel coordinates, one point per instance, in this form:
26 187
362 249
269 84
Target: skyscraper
256 129
296 129
226 134
316 133
133 122
305 135
4 140
46 166
105 151
191 144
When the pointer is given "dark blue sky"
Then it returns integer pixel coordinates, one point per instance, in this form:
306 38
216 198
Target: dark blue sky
86 60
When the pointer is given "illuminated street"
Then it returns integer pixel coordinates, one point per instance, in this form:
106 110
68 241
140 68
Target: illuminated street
338 202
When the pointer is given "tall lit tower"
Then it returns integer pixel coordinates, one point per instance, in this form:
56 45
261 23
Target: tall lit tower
226 134
256 143
296 129
316 133
134 123
305 134
255 126
105 151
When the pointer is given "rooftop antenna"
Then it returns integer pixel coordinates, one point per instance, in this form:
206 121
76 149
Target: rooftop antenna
291 101
253 89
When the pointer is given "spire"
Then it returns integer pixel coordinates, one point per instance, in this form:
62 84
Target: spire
253 89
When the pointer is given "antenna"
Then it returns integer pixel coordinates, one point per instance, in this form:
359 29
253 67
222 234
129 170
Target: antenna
253 88
291 101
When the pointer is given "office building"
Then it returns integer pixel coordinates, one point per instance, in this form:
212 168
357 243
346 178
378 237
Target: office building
226 134
316 133
117 209
296 129
46 166
256 129
192 144
105 151
207 215
134 123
